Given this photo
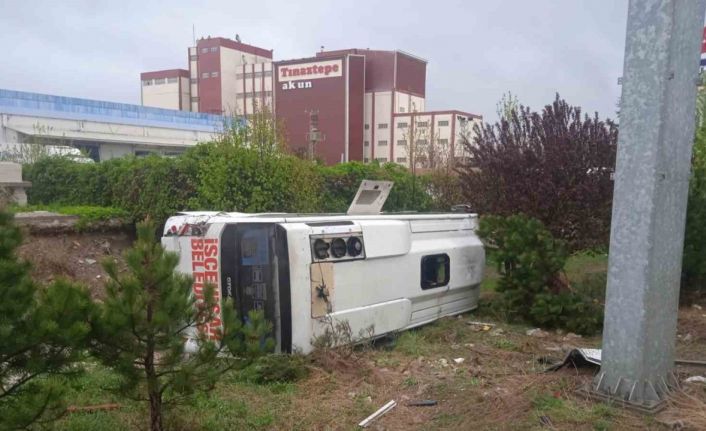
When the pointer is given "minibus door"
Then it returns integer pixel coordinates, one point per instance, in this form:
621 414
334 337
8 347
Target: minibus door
253 261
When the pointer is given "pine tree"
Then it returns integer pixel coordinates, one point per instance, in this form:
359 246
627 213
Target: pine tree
42 332
147 315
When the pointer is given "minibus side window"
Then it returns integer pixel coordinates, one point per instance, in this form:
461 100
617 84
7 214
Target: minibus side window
435 271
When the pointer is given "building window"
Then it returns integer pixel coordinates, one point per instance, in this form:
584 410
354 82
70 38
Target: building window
402 160
435 271
195 99
205 75
401 108
366 143
204 50
268 73
214 49
194 58
240 95
159 81
194 80
382 143
421 142
422 124
443 123
239 75
366 160
367 126
172 80
401 125
402 142
381 159
214 74
443 141
147 82
382 126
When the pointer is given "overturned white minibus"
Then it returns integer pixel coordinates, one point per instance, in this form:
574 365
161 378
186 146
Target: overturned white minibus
380 273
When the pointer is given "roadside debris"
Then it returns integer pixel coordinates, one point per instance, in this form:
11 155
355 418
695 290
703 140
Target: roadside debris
476 323
536 332
695 379
459 360
592 358
422 403
579 358
90 261
381 411
480 326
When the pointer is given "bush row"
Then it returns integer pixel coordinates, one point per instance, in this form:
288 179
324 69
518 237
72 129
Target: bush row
223 177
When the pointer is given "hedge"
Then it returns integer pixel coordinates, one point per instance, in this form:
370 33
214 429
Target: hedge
220 177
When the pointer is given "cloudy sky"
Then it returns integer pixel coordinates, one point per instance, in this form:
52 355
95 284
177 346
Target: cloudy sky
477 50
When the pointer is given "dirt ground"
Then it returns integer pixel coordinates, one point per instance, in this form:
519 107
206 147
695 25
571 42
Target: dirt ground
75 256
485 377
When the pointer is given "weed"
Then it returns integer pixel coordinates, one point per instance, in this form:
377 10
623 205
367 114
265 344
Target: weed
410 381
412 343
277 368
505 344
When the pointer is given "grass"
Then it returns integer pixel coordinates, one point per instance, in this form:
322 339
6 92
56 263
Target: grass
498 386
86 214
569 411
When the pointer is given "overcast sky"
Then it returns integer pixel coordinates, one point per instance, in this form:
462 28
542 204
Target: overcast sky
477 50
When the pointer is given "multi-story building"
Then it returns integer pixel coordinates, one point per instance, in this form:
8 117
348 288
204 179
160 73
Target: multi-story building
229 77
225 77
168 89
355 93
431 138
337 105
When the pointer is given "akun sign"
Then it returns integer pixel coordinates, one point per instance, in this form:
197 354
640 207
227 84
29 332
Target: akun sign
293 85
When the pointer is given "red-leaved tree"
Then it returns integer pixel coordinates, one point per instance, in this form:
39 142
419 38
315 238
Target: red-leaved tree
555 165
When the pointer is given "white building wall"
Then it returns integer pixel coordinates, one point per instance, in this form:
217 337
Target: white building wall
161 93
382 124
185 94
405 102
230 62
367 126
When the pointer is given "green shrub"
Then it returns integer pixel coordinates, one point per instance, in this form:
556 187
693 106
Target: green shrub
276 368
693 268
532 284
340 183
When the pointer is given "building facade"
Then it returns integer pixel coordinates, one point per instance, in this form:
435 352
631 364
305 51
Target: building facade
167 89
432 139
355 94
225 77
229 77
336 106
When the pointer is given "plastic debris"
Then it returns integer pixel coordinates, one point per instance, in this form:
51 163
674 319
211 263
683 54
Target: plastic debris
536 332
381 411
696 379
422 403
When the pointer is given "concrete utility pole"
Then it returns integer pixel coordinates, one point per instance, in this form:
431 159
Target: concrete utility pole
657 115
314 136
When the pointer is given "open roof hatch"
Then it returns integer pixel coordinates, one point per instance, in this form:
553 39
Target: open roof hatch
370 198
